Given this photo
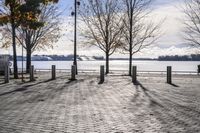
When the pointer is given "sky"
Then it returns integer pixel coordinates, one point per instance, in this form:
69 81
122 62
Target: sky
171 42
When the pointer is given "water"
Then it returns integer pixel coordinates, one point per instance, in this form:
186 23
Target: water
119 65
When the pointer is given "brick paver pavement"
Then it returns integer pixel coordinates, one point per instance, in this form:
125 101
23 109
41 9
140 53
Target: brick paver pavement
117 106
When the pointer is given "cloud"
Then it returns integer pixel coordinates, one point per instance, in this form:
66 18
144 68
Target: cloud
169 44
172 26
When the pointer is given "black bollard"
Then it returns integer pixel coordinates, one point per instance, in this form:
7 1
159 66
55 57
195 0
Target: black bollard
32 74
53 72
102 74
73 72
7 74
169 74
134 74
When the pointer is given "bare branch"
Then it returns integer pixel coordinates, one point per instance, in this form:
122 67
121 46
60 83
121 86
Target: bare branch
103 24
192 22
138 32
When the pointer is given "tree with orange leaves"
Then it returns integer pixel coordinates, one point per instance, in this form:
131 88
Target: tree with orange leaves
21 13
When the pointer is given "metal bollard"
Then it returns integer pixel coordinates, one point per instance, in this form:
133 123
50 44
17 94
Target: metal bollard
169 74
32 74
102 74
53 72
7 74
73 72
134 74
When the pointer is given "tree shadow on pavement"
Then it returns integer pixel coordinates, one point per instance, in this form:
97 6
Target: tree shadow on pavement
24 88
51 91
2 83
174 116
148 94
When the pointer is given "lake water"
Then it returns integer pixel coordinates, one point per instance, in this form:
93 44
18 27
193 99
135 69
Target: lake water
119 65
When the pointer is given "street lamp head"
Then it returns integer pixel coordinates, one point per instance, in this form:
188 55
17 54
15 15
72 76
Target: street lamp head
78 3
72 13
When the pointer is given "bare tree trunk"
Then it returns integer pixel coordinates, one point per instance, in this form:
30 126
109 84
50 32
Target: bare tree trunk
130 63
131 39
130 53
107 62
138 33
14 51
28 60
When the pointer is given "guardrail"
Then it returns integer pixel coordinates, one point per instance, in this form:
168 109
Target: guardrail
118 71
114 71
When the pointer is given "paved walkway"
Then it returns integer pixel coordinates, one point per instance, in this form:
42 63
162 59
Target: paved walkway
117 106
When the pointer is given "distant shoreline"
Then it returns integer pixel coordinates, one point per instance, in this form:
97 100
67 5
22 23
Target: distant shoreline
122 60
101 58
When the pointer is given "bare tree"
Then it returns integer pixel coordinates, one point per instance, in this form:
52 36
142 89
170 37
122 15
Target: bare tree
41 38
192 22
103 25
139 32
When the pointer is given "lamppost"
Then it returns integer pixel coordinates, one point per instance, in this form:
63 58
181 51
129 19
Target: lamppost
22 62
76 2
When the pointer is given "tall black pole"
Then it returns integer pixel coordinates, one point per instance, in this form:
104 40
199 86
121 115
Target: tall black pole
131 37
75 36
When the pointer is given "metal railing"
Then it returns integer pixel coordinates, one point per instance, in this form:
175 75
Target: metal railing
114 71
119 71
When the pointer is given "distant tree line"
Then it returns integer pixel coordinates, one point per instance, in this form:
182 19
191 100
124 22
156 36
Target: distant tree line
193 57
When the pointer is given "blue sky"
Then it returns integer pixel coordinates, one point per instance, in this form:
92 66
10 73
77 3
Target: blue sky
170 43
67 4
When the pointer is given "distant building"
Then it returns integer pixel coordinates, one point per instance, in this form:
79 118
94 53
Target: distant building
41 58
